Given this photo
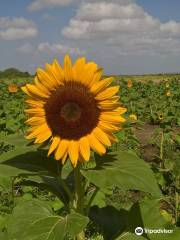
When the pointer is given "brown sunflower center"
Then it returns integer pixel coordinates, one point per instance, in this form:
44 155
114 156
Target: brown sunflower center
71 111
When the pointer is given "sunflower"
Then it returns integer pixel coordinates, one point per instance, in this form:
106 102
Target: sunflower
74 108
12 88
133 117
129 84
168 93
160 116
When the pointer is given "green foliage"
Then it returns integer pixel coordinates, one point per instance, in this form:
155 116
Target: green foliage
39 198
40 223
13 73
122 169
149 100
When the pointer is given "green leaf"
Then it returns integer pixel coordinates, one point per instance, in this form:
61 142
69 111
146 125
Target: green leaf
6 183
66 169
57 204
124 170
121 135
34 166
50 183
15 140
8 171
99 200
22 217
3 221
27 196
129 236
3 236
40 223
27 160
175 235
168 217
110 221
147 214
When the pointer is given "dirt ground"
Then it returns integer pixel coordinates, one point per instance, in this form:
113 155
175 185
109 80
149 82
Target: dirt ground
144 135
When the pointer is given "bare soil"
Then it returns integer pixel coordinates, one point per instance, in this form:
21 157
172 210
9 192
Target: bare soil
144 135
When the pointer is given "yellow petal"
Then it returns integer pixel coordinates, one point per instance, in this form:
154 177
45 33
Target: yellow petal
61 149
78 69
73 151
89 71
42 137
35 121
41 87
64 158
101 136
112 118
108 127
25 90
39 112
97 76
34 103
113 98
54 144
79 65
30 94
58 71
111 91
41 129
68 74
34 90
84 148
108 105
120 110
117 111
52 73
101 85
112 138
95 144
45 79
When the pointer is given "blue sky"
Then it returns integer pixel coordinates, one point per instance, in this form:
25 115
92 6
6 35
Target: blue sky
123 36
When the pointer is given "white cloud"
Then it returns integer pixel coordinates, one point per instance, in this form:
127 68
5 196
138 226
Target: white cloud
100 10
57 48
171 28
26 48
37 5
123 26
16 28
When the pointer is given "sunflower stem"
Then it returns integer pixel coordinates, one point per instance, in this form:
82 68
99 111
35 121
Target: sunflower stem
177 200
79 191
79 196
65 187
161 150
91 200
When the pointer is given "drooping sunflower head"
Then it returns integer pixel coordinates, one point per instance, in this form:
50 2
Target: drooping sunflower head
12 88
74 108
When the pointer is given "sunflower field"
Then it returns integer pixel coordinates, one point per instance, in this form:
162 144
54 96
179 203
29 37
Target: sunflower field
87 156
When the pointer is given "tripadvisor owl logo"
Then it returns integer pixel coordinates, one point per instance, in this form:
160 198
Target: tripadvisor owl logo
139 231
